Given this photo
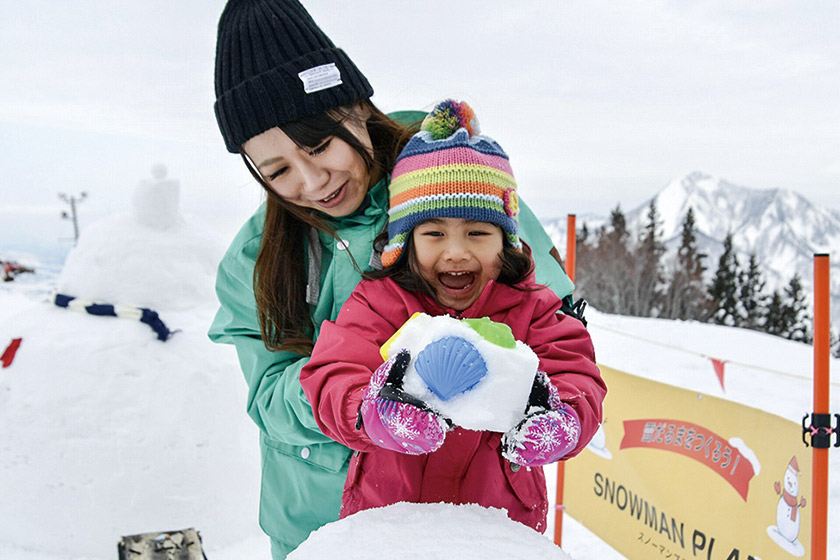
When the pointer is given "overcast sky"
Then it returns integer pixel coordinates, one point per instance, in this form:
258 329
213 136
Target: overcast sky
597 103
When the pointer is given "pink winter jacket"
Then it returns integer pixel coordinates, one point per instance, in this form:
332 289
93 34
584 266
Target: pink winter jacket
468 468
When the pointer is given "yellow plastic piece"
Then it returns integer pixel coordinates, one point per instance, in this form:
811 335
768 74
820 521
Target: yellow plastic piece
383 350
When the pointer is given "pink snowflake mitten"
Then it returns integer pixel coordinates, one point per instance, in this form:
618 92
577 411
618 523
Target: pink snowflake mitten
548 432
395 420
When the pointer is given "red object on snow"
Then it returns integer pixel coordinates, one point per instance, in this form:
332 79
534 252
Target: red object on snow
718 365
9 354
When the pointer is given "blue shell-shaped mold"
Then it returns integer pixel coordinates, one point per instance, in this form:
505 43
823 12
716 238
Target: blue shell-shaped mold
450 366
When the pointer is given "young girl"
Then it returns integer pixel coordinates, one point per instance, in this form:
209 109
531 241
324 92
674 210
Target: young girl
453 249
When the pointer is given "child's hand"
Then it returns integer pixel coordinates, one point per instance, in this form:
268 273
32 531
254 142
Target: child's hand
548 432
395 420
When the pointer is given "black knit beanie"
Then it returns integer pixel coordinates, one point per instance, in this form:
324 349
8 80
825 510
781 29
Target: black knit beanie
275 65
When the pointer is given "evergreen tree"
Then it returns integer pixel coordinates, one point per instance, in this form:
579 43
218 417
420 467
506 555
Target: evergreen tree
752 297
786 314
797 308
724 288
617 232
834 343
583 235
686 297
776 317
646 279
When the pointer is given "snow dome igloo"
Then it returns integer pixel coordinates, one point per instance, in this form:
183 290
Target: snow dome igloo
108 431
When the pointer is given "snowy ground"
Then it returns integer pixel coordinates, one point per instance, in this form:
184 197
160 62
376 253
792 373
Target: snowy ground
107 431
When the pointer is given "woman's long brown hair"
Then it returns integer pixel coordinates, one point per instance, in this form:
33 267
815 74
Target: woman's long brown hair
280 274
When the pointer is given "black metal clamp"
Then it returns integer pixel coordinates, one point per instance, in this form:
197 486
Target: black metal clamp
821 431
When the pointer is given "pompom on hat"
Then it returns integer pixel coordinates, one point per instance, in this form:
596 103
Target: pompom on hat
274 65
449 170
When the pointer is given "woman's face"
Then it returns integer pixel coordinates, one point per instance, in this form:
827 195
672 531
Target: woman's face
331 177
458 257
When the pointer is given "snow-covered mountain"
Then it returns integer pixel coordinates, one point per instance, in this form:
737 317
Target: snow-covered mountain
782 227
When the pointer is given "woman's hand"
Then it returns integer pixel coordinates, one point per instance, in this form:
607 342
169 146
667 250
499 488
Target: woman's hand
395 420
548 432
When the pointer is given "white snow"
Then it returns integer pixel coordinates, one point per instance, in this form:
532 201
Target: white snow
747 453
107 431
155 202
150 257
497 401
442 531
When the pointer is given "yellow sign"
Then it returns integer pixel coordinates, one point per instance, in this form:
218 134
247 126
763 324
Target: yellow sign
678 475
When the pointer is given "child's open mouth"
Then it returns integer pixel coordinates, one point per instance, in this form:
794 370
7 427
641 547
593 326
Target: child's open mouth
457 280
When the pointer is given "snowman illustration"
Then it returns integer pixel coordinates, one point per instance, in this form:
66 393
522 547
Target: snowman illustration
785 532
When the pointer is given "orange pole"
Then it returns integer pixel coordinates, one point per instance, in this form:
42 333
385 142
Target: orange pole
819 492
571 244
558 512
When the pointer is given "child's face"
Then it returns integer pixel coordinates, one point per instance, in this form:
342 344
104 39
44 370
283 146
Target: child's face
458 257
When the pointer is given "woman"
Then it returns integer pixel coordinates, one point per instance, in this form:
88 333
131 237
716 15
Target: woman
297 110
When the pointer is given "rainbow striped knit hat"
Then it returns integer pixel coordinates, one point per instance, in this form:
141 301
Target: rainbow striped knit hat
448 170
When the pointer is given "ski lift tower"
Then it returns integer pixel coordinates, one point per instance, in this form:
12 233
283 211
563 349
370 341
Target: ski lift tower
72 200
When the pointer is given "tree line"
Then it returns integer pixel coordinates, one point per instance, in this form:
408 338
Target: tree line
624 274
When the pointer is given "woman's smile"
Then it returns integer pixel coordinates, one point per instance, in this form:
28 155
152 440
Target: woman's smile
334 199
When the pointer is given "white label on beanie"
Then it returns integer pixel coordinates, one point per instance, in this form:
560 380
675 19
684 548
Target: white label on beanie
320 77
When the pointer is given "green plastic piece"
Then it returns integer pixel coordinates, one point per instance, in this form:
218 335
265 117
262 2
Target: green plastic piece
497 333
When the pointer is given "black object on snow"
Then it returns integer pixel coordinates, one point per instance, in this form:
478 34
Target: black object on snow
184 544
142 314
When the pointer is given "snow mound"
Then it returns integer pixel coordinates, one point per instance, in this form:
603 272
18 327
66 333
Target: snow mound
423 531
150 257
106 431
119 260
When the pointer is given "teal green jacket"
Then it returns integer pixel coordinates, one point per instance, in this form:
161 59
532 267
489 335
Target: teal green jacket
303 471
